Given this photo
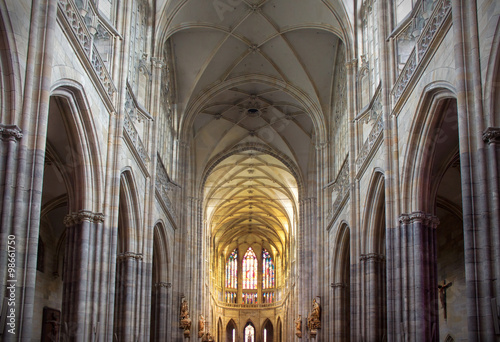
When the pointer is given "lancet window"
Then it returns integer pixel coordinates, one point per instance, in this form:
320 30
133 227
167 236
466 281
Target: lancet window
250 270
232 270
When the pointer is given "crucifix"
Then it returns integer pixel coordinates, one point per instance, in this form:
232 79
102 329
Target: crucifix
442 295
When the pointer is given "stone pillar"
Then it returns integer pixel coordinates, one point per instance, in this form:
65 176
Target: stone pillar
476 207
9 136
126 299
414 277
491 138
159 315
258 253
375 306
239 295
79 275
341 319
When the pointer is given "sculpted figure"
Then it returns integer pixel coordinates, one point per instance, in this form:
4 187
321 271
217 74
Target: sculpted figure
185 322
201 326
316 311
314 319
298 327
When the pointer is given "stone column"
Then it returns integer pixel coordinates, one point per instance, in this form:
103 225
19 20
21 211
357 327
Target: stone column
477 210
79 275
413 275
341 320
126 299
159 315
239 295
491 138
375 306
9 136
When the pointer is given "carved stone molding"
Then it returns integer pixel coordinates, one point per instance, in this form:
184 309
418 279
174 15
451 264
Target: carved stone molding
419 216
373 257
341 188
158 62
81 216
129 255
10 132
163 284
491 135
352 64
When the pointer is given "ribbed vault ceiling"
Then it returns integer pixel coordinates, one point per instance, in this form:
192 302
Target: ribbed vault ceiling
253 72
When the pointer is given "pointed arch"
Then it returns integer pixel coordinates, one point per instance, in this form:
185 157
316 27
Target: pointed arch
160 291
267 331
426 131
83 153
492 81
10 80
231 331
341 282
279 328
374 216
250 332
129 231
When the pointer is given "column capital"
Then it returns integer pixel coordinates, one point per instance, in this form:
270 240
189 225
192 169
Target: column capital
158 62
372 256
10 132
129 255
419 216
491 135
83 215
163 284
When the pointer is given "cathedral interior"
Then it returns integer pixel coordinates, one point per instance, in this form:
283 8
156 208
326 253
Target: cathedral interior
250 170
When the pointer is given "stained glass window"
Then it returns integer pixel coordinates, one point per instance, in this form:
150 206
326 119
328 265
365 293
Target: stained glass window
268 297
249 298
232 270
250 270
231 297
249 333
267 270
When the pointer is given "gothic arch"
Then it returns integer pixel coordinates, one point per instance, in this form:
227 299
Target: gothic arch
129 231
10 80
492 81
340 283
160 291
230 326
279 330
341 254
161 248
374 223
373 262
269 330
418 157
84 152
195 106
290 164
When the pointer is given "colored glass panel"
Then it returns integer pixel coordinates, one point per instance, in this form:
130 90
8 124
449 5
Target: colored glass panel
267 270
232 270
250 270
